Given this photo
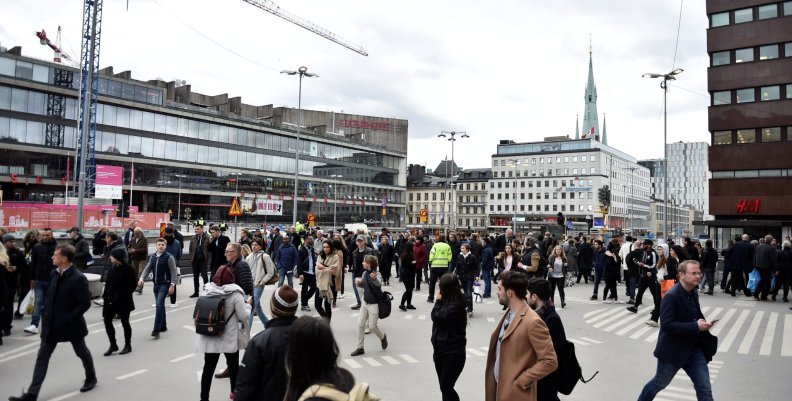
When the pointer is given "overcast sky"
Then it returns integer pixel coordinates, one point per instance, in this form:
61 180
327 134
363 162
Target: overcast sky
510 69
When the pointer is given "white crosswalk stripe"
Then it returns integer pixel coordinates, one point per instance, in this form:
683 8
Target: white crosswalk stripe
786 346
408 358
476 352
732 335
391 360
748 338
767 340
372 362
352 364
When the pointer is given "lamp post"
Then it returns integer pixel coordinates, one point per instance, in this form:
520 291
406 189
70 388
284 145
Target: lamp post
236 195
302 71
335 197
671 76
451 135
514 163
178 212
632 178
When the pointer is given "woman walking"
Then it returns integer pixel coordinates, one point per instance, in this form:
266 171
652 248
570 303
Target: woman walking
263 270
449 339
119 286
611 273
343 255
326 267
237 311
420 254
370 282
557 269
408 276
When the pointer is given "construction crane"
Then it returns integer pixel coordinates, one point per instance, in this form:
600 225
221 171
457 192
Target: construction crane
56 104
60 55
274 9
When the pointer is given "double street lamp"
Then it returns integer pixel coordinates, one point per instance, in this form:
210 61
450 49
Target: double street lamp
671 76
302 72
451 135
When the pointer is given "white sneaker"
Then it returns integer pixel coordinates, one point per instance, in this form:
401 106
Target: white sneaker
32 329
98 302
174 305
651 323
153 305
368 330
607 301
341 296
619 302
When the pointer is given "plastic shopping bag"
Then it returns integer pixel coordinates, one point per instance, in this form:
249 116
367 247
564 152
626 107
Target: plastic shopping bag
665 285
753 280
26 306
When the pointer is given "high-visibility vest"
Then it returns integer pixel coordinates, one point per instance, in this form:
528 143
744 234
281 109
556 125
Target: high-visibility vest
440 255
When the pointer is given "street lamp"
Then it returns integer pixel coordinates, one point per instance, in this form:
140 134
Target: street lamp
514 163
451 135
671 76
632 178
178 212
302 71
335 197
236 194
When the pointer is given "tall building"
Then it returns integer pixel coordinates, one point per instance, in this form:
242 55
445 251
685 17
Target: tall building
471 192
591 128
191 151
749 43
688 173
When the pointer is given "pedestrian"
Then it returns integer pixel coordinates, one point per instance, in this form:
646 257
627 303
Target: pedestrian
138 252
784 273
306 272
98 243
538 299
129 234
263 270
119 286
5 271
487 265
408 276
30 239
162 269
358 256
216 249
647 265
679 343
16 278
63 320
611 273
632 274
766 262
709 263
386 254
419 254
81 245
41 265
371 282
199 258
742 264
340 273
237 311
585 261
520 349
174 247
262 374
449 338
439 262
312 360
468 271
727 277
691 248
286 261
572 253
557 271
630 278
326 267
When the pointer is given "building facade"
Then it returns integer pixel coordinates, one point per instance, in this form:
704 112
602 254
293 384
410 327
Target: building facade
749 43
471 193
194 153
680 219
688 175
432 194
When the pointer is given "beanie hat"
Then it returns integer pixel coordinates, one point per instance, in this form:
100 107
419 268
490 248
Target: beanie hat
119 254
284 301
224 276
8 237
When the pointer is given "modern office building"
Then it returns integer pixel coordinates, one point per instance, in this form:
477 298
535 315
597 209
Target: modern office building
534 181
688 175
749 43
680 219
190 151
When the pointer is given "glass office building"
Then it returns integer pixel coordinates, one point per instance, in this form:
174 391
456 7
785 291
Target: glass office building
189 149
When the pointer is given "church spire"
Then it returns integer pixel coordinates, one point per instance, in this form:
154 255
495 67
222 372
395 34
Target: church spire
577 126
604 138
590 123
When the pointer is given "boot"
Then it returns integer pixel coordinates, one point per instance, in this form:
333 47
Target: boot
223 375
24 397
127 349
113 348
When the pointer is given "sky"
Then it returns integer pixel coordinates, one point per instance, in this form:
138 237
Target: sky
509 69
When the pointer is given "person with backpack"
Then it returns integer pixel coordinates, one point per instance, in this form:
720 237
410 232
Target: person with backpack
371 282
162 267
263 271
231 300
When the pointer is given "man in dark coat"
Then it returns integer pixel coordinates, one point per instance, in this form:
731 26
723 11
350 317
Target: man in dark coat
766 261
741 263
691 249
585 259
112 241
14 279
67 301
538 294
386 252
81 245
217 246
41 266
199 258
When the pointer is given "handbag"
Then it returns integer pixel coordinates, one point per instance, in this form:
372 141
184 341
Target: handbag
708 344
383 301
275 277
26 306
665 285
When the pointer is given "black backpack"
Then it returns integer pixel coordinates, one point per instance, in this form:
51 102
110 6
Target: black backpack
569 370
209 316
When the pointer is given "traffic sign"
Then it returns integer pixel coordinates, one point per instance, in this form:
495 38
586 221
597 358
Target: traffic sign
235 211
569 225
311 219
423 215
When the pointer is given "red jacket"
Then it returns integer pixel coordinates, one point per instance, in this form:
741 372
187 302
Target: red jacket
420 254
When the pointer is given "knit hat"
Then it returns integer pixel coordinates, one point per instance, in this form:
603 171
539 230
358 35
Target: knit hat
119 254
8 237
224 276
284 301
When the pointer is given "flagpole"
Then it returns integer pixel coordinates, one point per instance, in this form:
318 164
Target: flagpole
131 188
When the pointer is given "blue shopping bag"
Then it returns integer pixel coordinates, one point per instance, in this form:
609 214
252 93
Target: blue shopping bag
753 280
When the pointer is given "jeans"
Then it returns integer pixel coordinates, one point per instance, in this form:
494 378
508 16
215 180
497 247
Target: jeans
257 291
42 362
355 289
448 368
597 279
724 279
40 290
308 288
708 280
486 275
160 293
210 363
283 275
467 287
631 282
696 369
399 269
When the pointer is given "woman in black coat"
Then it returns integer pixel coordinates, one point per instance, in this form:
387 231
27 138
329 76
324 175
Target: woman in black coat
449 322
121 283
612 264
408 276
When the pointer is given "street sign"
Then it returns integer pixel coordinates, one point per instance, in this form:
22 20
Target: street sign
423 215
234 211
311 219
569 225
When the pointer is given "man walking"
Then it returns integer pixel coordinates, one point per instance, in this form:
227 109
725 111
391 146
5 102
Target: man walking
742 264
306 264
216 249
678 344
67 300
647 271
41 266
358 255
81 245
138 252
286 261
599 266
538 294
199 251
439 260
766 261
520 349
162 267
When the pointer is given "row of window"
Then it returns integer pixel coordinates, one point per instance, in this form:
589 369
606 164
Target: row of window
752 173
541 160
751 135
547 208
548 172
748 54
749 14
35 103
466 198
572 183
749 95
547 195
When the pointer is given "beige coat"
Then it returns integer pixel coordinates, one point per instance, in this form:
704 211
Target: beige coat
325 276
527 355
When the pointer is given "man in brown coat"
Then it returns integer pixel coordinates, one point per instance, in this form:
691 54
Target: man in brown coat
138 252
520 351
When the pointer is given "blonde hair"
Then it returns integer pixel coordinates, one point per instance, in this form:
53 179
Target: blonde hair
4 261
246 250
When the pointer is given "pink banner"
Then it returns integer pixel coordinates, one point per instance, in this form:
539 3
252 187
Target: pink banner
59 217
109 175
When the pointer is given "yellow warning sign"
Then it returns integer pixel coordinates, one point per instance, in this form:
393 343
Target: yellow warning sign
234 211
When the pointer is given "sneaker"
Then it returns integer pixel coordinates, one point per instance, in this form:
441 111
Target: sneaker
153 305
305 308
355 307
341 296
98 302
619 301
470 314
384 342
593 298
607 301
358 351
368 330
651 323
402 308
631 302
633 309
194 295
174 305
32 329
430 300
155 334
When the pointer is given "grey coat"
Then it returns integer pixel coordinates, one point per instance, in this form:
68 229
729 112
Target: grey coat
228 342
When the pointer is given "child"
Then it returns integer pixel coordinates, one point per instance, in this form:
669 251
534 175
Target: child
370 282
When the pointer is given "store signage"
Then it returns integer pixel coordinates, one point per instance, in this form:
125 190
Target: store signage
578 189
472 204
349 123
269 207
108 182
745 206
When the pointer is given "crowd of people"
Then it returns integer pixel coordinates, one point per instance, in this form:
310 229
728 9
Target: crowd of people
527 274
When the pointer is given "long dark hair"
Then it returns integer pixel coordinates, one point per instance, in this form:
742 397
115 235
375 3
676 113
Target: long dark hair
450 290
312 358
407 252
332 248
681 253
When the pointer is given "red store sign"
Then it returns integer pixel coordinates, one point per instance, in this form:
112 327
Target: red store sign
745 206
349 123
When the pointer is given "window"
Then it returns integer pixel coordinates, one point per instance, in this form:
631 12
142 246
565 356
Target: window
592 170
533 160
768 52
721 97
745 95
721 58
592 158
720 19
771 134
787 8
743 55
788 49
768 11
789 91
558 160
771 93
744 15
722 138
549 160
574 171
566 159
746 136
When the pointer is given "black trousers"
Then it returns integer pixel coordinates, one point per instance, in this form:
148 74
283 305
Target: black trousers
210 364
448 368
434 275
7 307
110 329
308 288
42 362
652 285
764 285
385 270
610 284
556 283
199 272
418 273
322 305
782 281
408 278
738 282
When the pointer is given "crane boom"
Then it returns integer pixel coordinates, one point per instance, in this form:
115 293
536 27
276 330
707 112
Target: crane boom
272 8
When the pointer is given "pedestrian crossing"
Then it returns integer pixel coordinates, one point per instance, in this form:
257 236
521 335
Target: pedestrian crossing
681 387
379 361
739 330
